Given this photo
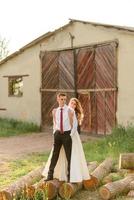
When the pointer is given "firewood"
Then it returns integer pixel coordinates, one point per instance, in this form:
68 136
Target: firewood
126 161
1 197
131 193
111 177
124 172
51 188
18 186
92 166
97 175
67 190
31 189
131 185
112 189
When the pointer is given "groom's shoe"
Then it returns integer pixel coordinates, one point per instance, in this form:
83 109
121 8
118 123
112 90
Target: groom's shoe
49 178
68 178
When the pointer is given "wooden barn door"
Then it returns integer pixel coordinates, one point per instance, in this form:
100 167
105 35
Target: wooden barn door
97 87
91 73
85 81
50 82
106 88
57 75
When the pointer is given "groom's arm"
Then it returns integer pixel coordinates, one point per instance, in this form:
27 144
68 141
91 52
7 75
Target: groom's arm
54 120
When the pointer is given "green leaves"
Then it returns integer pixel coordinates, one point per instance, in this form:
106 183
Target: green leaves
3 48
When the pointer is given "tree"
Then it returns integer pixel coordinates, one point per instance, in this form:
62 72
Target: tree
3 48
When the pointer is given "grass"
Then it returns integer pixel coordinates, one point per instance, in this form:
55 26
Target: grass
10 127
121 140
13 170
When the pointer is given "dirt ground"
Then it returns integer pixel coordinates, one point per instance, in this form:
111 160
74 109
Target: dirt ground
17 146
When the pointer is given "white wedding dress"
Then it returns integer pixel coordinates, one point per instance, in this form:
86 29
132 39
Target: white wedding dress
78 167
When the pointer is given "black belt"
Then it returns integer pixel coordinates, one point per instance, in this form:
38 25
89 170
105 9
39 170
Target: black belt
67 131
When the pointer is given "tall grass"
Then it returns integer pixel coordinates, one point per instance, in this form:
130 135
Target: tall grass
9 127
121 140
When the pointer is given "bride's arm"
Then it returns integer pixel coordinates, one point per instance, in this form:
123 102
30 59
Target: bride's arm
73 122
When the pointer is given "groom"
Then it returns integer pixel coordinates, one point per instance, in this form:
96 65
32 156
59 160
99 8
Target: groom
62 123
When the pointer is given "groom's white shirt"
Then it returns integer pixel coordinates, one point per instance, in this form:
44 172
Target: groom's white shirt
66 121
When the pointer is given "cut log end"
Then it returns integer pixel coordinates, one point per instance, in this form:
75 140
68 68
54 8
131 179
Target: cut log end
30 190
131 193
6 195
101 171
104 193
66 191
126 161
50 188
1 196
115 188
91 183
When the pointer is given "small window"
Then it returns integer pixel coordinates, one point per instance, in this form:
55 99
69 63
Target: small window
15 86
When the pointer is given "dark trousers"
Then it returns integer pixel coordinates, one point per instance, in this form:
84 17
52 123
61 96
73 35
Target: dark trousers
59 140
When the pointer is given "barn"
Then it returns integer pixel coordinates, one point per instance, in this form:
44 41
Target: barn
91 61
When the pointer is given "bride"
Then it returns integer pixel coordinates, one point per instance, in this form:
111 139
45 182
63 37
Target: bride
78 167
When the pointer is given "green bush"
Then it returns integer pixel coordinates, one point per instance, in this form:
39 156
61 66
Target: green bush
9 127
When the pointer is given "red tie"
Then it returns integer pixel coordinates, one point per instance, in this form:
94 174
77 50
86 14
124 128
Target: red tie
61 120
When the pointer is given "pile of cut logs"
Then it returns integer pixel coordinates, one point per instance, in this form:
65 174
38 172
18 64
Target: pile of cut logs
110 180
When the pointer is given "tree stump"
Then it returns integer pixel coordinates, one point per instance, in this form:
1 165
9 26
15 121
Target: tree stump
126 161
16 188
67 190
112 189
98 174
